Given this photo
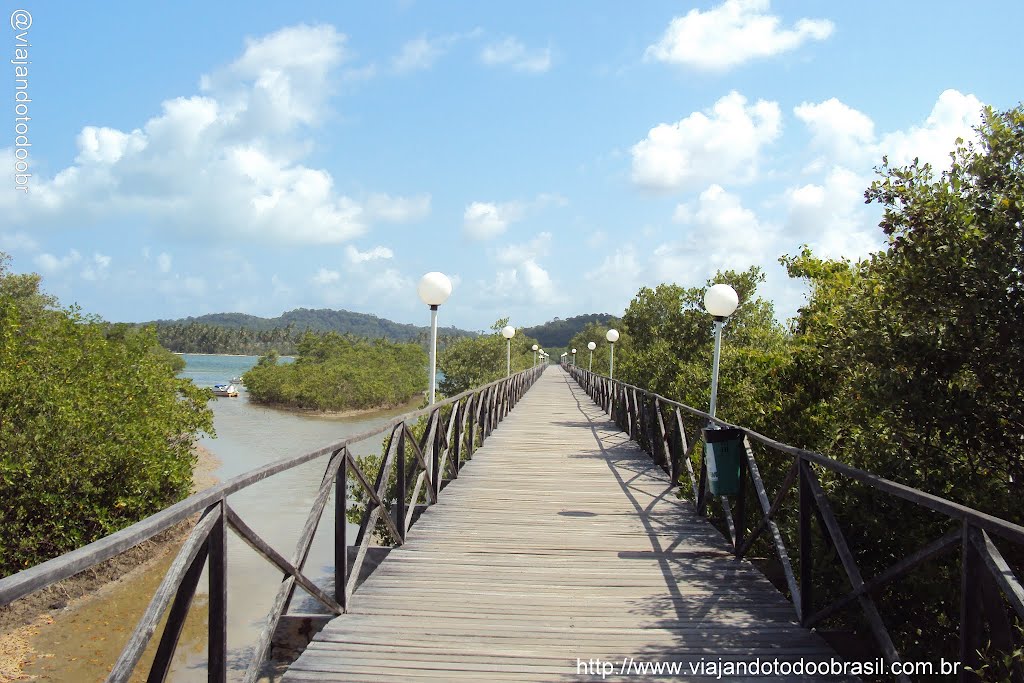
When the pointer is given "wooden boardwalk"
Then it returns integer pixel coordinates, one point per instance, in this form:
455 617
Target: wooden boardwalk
559 551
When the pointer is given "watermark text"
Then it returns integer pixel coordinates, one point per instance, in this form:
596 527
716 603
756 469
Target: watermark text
21 22
725 668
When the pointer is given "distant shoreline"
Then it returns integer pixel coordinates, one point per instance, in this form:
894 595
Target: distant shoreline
234 355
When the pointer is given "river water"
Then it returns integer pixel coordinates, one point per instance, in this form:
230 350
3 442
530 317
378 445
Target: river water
86 643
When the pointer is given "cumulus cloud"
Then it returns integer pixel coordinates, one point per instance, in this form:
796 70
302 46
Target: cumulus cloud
356 256
487 220
722 233
831 217
847 136
242 136
521 276
518 253
512 53
829 214
733 33
954 115
97 268
722 143
837 128
326 277
49 264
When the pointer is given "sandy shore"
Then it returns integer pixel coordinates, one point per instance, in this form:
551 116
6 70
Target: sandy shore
28 618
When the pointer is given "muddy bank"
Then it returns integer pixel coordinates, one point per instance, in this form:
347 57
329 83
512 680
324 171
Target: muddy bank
413 404
45 613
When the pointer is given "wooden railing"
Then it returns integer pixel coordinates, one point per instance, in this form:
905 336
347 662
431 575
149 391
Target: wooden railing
412 473
990 592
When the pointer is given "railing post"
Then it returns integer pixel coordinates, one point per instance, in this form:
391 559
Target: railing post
471 425
806 597
401 485
341 535
435 454
741 506
217 635
970 604
456 446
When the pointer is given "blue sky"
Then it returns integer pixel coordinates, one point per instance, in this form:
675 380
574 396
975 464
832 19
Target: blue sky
551 158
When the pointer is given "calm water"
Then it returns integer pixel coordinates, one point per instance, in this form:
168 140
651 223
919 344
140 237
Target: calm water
248 436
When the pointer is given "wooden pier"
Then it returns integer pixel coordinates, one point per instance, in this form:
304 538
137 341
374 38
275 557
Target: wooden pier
560 553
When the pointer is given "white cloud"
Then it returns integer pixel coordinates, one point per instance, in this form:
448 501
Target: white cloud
487 220
49 264
518 253
838 128
420 53
848 136
511 52
521 277
326 277
722 234
831 217
735 32
356 256
244 135
953 116
383 207
98 268
721 144
164 262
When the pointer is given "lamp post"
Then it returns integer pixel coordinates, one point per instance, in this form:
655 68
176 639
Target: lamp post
535 347
508 332
574 357
612 336
591 346
434 289
720 301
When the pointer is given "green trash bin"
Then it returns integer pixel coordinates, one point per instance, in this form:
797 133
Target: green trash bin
723 450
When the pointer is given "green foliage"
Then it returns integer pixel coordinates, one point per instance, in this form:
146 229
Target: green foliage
558 333
672 342
999 666
96 431
595 332
909 364
337 372
475 361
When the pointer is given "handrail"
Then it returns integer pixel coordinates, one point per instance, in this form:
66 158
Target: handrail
455 427
985 574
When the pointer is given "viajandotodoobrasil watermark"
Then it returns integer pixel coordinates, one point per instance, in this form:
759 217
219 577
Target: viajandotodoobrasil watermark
21 22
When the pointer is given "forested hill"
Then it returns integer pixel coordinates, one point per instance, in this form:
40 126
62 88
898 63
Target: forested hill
557 333
317 320
250 334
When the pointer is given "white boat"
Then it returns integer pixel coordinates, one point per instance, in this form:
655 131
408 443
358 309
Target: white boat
228 390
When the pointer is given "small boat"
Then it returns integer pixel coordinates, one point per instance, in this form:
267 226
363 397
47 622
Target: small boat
236 380
228 390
